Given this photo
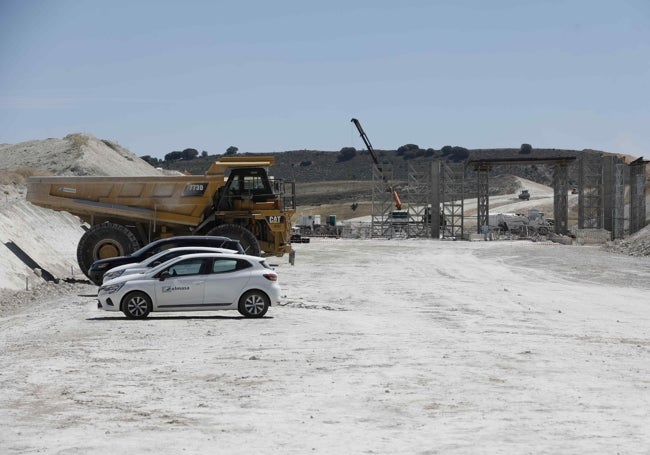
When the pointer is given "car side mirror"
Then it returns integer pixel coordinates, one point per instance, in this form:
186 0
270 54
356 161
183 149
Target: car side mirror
164 275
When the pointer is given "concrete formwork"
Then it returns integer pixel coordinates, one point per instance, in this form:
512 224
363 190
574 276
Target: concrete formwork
614 174
561 197
637 195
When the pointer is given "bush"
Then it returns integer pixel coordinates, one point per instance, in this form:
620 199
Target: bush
190 154
151 160
458 154
346 154
174 156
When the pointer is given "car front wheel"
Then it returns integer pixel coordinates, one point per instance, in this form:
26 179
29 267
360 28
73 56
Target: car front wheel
253 304
136 305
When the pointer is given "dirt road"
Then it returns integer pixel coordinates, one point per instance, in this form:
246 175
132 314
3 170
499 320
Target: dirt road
412 346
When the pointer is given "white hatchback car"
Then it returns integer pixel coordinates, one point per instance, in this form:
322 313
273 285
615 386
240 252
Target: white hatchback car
157 259
195 282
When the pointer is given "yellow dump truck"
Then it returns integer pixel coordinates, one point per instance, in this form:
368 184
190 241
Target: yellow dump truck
235 198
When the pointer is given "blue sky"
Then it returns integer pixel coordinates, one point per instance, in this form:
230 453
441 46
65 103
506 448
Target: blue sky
158 76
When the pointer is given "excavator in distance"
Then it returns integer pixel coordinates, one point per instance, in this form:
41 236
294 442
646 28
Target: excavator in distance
366 141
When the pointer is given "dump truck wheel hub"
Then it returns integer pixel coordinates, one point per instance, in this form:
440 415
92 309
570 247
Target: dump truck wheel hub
108 250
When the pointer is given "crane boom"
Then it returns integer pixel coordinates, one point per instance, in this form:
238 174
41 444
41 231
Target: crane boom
366 141
398 202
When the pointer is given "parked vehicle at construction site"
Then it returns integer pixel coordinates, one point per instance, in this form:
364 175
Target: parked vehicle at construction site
235 198
109 268
195 282
521 225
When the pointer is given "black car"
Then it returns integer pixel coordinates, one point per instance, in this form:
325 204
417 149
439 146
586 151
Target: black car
98 268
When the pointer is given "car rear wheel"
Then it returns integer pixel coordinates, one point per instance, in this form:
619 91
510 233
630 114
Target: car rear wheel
254 304
136 305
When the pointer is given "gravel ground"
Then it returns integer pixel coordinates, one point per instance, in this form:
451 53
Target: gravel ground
379 347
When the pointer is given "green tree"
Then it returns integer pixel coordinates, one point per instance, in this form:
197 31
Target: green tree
149 159
190 154
458 154
174 156
346 154
404 149
232 150
525 149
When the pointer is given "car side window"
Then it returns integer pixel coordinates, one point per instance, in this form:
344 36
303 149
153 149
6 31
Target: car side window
186 267
225 265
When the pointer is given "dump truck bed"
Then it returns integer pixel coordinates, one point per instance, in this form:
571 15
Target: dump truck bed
171 199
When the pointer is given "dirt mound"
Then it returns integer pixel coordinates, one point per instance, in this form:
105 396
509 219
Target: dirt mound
635 245
75 154
48 237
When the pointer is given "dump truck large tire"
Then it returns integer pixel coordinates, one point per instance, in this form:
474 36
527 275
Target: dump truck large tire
235 232
104 241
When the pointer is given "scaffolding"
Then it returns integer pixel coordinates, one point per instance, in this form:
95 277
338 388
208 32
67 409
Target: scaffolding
418 199
434 195
452 179
590 196
382 202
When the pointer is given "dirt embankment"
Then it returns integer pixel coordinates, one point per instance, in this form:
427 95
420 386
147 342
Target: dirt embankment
47 237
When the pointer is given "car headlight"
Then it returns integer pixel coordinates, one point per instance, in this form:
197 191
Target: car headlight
110 289
111 275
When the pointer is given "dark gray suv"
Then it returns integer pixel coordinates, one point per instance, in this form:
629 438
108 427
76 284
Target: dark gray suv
98 268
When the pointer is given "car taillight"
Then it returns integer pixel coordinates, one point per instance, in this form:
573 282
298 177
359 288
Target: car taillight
271 276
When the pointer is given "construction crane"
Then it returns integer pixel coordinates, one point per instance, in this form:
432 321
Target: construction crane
389 188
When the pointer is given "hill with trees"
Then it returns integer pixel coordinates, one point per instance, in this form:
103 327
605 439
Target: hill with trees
306 166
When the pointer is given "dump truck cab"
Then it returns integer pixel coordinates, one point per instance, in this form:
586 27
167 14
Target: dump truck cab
246 188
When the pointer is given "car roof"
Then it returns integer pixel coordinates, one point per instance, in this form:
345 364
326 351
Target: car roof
166 264
155 270
197 247
184 238
181 249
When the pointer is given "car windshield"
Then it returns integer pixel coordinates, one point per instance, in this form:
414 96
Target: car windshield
144 252
162 257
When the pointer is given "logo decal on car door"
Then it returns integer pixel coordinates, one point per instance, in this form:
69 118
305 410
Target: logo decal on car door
175 288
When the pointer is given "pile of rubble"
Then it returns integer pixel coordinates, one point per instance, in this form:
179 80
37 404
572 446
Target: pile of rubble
635 245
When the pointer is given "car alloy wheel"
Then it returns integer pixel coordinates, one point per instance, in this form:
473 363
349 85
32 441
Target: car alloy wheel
254 304
137 305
